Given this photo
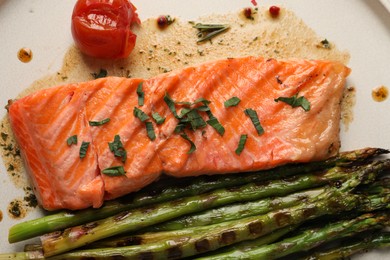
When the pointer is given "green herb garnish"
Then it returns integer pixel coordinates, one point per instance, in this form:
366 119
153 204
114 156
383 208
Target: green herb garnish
150 130
209 31
190 114
83 149
232 102
255 120
171 104
157 118
241 144
72 140
138 113
195 119
214 123
141 94
180 127
114 171
295 101
102 74
117 148
193 147
99 123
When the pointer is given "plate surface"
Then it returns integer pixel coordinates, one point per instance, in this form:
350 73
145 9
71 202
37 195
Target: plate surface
360 27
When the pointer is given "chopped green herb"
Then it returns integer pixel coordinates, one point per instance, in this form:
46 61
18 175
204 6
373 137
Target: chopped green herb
195 119
295 101
202 100
99 123
190 116
171 104
72 140
241 144
116 144
180 127
141 94
83 149
157 118
140 114
203 108
114 171
184 112
102 74
209 31
232 102
117 148
214 123
193 147
150 130
255 120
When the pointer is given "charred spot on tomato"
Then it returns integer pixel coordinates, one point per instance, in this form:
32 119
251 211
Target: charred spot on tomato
274 11
164 20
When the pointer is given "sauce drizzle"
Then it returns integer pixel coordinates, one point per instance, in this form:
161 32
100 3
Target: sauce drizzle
25 55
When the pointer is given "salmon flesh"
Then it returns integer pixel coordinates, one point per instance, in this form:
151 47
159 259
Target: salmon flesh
93 141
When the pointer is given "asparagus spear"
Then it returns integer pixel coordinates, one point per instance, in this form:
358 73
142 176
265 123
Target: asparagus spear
201 220
308 239
332 201
128 221
375 240
237 211
373 202
164 191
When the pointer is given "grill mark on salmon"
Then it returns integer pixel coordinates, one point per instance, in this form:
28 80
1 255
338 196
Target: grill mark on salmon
43 121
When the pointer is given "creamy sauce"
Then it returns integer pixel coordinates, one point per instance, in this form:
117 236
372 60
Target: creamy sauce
380 94
286 36
25 55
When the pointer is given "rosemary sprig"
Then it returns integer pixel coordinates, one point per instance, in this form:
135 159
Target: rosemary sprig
208 31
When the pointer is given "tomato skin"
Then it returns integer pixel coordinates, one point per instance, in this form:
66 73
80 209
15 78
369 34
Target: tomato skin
101 28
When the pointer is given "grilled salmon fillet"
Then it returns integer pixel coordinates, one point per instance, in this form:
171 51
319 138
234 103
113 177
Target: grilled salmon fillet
127 142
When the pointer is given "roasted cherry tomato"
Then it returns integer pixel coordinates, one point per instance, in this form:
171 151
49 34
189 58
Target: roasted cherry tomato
101 28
